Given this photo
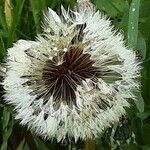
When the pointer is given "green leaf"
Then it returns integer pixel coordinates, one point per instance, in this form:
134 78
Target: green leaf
16 14
132 146
40 144
7 127
141 46
143 115
145 147
139 102
26 147
2 18
146 133
108 6
133 23
21 145
37 8
2 49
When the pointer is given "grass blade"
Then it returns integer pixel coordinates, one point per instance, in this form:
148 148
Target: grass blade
133 23
7 127
37 7
7 10
16 14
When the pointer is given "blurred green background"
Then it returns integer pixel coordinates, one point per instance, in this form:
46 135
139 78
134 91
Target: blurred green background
21 19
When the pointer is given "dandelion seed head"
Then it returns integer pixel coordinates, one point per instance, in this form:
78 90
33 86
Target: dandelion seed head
75 80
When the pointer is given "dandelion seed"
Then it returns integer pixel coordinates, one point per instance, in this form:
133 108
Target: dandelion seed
133 9
75 80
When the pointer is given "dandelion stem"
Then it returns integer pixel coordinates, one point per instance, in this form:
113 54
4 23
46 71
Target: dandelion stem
89 145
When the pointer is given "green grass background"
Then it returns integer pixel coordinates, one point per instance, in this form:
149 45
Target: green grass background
21 19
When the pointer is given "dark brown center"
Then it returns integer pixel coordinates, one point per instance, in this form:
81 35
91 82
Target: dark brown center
62 80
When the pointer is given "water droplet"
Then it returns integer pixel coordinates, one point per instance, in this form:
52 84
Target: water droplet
133 9
55 48
65 49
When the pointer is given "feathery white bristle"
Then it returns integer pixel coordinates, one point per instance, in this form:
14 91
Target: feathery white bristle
99 103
